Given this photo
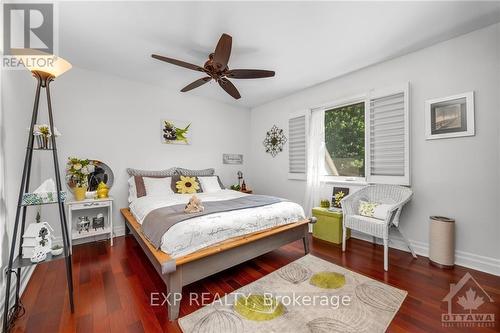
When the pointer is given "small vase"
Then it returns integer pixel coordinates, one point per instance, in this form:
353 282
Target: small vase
79 193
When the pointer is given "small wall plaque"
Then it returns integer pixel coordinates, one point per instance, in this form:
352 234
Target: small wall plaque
232 158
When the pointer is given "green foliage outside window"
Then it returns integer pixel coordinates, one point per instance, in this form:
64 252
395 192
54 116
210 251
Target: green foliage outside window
345 140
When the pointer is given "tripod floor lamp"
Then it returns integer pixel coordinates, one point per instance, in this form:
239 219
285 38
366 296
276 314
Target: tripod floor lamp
45 68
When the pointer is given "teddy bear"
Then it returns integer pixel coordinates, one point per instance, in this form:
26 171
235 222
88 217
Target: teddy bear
194 205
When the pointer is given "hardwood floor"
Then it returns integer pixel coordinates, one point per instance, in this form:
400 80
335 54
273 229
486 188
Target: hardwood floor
113 287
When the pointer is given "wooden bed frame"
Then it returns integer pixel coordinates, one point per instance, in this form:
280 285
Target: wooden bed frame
187 269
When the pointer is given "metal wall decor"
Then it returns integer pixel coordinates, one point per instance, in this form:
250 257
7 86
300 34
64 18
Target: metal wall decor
274 141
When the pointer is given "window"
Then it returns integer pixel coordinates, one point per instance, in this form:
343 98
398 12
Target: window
345 141
297 152
368 138
388 154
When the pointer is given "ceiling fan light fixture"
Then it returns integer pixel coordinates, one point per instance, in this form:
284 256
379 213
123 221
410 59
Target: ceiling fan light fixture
216 67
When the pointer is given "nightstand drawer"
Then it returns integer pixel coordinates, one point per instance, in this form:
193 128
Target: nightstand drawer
86 205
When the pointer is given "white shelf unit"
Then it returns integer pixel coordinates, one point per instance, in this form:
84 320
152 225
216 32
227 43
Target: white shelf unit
90 207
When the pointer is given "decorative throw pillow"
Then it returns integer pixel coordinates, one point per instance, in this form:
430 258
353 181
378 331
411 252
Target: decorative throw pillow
132 191
187 185
210 184
374 209
202 172
157 186
151 173
177 178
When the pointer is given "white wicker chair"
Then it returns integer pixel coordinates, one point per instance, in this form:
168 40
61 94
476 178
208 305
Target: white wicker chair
386 194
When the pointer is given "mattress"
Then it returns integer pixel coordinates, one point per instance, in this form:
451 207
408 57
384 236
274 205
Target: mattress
197 233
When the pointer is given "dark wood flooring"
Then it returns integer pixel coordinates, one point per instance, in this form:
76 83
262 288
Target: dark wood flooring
113 286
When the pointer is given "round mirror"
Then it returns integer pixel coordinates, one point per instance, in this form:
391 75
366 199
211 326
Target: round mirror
96 172
102 173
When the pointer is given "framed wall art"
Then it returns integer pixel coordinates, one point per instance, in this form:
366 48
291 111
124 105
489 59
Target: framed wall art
339 193
450 117
175 132
232 158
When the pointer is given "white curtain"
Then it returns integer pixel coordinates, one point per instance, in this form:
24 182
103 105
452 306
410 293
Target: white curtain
315 159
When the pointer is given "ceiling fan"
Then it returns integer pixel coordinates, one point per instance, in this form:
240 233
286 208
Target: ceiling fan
216 68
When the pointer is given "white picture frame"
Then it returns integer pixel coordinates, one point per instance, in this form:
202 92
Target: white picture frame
450 117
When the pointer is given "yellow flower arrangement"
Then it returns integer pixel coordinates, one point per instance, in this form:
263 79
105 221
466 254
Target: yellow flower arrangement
187 185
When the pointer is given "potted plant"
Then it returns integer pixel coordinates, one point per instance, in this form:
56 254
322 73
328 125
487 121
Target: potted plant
77 171
42 133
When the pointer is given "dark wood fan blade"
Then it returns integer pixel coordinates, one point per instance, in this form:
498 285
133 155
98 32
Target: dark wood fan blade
229 88
249 73
178 63
196 83
223 51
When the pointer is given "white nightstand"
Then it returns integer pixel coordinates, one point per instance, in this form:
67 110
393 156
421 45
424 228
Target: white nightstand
90 208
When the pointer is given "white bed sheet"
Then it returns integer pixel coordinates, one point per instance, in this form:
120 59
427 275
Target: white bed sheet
199 232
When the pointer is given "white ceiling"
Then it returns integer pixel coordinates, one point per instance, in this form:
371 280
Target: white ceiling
305 43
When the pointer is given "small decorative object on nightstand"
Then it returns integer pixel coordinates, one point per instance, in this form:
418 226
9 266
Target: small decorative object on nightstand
83 224
339 193
102 190
324 203
90 218
247 191
98 222
329 225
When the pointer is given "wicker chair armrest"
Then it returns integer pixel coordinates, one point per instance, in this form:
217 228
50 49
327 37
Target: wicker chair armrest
394 213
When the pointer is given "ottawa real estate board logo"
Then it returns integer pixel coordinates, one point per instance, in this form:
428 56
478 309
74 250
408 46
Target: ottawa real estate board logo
28 29
469 305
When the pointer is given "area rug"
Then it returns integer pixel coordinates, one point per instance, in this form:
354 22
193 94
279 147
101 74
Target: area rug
307 295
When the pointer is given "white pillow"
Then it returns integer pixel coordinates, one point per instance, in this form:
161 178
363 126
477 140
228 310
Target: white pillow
158 186
132 191
374 209
209 184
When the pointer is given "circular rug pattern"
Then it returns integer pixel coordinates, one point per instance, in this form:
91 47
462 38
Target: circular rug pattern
328 280
259 307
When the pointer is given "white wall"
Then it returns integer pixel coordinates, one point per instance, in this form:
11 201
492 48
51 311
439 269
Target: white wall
453 177
117 121
16 108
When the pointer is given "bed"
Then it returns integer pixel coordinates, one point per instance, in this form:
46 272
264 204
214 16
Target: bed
204 245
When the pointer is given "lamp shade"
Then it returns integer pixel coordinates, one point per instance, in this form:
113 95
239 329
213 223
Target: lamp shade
37 61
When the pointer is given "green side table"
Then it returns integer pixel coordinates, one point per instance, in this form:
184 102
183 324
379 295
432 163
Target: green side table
329 225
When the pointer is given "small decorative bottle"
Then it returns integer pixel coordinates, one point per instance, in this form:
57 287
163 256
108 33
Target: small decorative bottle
243 186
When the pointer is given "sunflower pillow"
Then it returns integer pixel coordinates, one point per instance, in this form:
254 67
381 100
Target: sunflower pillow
187 185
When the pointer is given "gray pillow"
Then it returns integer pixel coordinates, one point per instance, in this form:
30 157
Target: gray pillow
147 173
202 172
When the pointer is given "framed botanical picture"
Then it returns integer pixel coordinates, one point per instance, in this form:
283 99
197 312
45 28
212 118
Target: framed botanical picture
450 117
339 193
175 132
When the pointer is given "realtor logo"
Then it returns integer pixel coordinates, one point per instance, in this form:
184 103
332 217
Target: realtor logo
466 300
28 26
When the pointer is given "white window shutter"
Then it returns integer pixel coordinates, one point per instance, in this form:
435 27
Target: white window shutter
297 147
388 137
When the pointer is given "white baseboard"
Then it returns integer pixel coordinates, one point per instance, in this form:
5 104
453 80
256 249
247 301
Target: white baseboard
25 277
466 259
